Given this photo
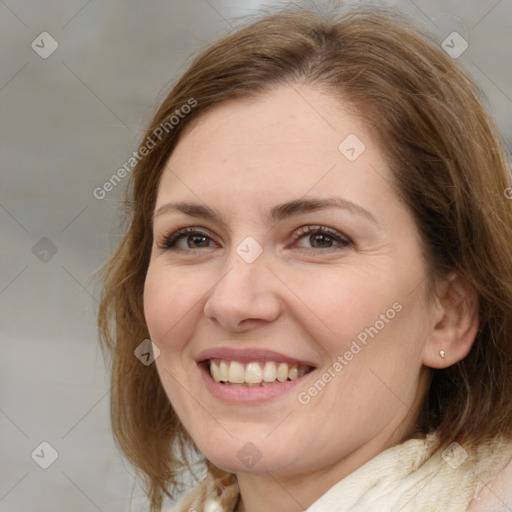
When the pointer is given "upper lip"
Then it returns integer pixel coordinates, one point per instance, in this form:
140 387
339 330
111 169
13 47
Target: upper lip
248 355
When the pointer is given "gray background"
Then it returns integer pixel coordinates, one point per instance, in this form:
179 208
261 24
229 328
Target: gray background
68 122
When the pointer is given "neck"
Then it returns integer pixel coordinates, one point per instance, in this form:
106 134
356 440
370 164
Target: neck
268 492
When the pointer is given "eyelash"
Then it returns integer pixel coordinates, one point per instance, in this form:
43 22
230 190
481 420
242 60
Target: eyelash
168 241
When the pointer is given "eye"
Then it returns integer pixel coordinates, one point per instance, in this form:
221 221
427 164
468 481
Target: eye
186 238
321 237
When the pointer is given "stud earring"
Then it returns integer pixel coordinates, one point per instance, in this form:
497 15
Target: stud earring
442 353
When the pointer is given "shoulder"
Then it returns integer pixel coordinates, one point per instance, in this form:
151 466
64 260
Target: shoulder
495 496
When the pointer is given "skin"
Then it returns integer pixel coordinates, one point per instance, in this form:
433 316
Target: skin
305 297
496 496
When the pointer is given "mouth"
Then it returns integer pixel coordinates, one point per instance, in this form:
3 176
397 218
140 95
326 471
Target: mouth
251 375
254 373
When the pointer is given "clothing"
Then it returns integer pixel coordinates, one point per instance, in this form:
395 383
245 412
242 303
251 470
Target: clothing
405 478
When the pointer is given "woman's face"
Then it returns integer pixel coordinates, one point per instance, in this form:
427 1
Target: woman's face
324 304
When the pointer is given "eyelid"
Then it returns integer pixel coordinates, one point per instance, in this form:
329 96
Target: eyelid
321 229
167 240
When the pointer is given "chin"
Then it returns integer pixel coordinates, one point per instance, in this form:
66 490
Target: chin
253 457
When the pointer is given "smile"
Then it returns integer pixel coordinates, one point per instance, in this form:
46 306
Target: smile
251 375
255 373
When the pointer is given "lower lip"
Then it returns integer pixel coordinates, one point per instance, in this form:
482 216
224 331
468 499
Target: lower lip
248 394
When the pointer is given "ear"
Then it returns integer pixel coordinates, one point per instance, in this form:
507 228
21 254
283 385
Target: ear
454 323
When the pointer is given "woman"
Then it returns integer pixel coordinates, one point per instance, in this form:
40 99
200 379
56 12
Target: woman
319 249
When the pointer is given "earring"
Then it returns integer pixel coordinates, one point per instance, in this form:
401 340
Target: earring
442 353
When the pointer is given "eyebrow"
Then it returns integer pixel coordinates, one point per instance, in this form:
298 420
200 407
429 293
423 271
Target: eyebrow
277 213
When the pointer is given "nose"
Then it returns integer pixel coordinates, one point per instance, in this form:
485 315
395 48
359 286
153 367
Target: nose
245 297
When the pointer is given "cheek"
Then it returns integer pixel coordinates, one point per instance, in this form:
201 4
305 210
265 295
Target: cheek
368 318
169 300
343 303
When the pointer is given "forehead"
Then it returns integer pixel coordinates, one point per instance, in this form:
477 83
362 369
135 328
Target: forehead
293 139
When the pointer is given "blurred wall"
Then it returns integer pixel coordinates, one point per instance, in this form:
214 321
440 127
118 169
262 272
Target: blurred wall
78 82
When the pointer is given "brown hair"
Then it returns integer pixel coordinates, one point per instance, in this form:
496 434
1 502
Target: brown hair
450 168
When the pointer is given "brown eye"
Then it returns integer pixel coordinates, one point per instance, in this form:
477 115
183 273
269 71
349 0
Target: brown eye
196 241
321 237
187 238
320 240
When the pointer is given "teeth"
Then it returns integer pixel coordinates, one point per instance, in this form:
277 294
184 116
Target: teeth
282 372
215 372
253 374
224 371
270 372
236 372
